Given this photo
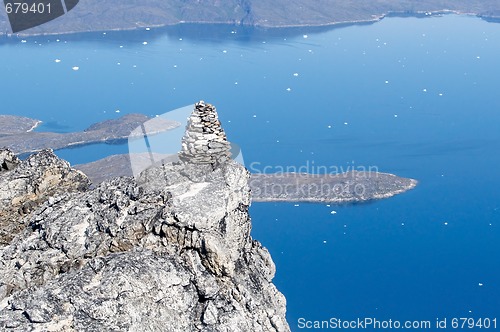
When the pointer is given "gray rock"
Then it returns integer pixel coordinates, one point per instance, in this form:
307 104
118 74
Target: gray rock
27 184
170 252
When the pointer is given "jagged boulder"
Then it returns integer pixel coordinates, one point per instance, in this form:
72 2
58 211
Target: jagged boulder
27 184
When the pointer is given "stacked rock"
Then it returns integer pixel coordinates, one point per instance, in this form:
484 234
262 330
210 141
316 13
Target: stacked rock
204 141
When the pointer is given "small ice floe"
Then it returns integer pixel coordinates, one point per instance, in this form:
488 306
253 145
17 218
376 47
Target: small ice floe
295 74
402 224
329 126
255 115
345 226
233 32
104 33
134 66
57 60
75 68
346 123
386 82
296 205
446 223
118 63
327 205
440 95
333 212
117 111
147 29
224 51
23 41
235 83
478 57
424 90
324 241
144 43
305 36
57 40
180 39
121 46
480 284
288 89
175 66
395 115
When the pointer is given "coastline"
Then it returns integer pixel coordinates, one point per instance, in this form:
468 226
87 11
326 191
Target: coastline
263 25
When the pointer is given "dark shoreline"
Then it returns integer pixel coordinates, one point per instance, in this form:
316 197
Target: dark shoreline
260 29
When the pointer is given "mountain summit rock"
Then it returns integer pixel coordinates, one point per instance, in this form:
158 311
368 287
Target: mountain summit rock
170 251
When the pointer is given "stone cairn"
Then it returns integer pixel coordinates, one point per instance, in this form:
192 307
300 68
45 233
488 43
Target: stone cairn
204 141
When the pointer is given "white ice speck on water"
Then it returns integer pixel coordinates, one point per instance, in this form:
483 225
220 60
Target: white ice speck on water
147 29
255 115
117 111
329 126
440 95
480 284
57 40
402 224
478 57
118 63
295 74
296 205
224 51
446 224
23 41
175 66
327 205
424 90
144 43
333 212
305 36
395 115
346 123
386 82
288 89
57 60
121 46
180 39
75 68
324 241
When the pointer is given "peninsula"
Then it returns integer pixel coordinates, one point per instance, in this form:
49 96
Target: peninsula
16 133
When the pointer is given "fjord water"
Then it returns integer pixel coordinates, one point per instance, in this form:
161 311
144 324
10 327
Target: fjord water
414 97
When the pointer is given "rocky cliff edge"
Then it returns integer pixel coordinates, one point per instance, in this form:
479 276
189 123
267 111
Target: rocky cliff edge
170 251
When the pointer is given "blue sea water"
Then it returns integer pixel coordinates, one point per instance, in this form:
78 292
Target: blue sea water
414 97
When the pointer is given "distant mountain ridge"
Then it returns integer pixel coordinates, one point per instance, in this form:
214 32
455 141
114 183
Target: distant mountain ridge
103 15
